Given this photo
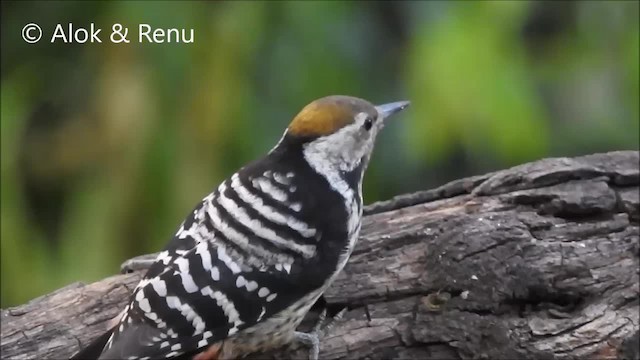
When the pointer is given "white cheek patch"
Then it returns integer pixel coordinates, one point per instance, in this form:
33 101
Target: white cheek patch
338 153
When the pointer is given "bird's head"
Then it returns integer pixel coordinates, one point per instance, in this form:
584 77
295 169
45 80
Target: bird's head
339 131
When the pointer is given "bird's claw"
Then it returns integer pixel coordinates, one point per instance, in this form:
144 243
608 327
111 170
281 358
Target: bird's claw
321 329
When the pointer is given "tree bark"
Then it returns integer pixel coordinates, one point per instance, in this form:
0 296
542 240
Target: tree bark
539 261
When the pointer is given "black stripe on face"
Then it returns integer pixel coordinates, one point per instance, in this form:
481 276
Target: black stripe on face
353 179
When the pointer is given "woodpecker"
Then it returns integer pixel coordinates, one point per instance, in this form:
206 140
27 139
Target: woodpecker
253 256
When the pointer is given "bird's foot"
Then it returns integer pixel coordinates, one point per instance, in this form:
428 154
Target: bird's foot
321 329
142 262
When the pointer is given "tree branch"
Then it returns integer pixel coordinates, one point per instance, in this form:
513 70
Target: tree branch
537 261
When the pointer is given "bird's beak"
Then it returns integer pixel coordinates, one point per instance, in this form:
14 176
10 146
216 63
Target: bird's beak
389 109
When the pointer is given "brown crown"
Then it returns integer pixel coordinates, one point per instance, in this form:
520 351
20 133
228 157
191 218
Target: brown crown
328 115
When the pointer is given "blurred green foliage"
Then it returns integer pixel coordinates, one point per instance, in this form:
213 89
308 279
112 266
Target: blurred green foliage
105 147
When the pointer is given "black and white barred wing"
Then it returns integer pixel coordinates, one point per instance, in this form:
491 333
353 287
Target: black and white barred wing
258 214
248 262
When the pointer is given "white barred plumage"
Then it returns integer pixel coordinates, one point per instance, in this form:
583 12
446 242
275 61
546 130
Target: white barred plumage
253 256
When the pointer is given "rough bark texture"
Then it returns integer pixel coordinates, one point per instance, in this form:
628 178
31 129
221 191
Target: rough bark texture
539 261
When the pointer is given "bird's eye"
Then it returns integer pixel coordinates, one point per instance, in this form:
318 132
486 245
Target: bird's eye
368 123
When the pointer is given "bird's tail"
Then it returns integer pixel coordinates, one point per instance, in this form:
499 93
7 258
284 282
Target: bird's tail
94 349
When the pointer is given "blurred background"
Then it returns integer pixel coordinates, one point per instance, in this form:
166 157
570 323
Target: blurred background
106 147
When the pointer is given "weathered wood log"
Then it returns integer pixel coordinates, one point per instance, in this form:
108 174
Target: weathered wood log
539 261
